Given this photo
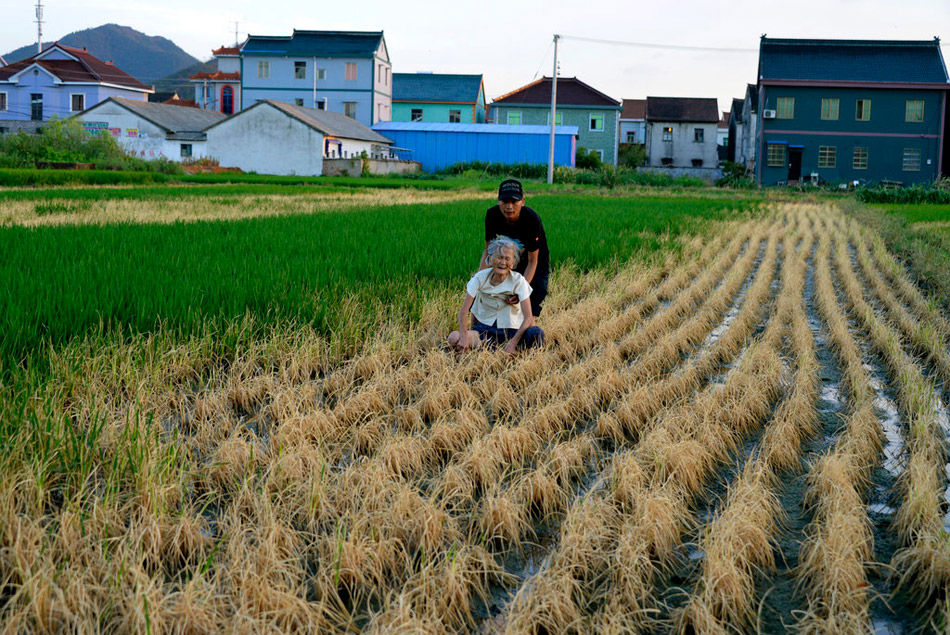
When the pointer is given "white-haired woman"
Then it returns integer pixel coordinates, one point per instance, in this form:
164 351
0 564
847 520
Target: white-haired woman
495 318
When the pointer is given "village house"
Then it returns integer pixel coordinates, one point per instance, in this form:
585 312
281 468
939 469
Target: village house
273 137
152 131
633 123
743 128
62 81
439 98
850 110
220 90
682 134
347 72
596 116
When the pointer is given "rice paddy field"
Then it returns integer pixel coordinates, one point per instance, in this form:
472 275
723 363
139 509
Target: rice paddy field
234 411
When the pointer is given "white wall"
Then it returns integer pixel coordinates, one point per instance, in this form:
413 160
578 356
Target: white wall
267 141
136 135
683 149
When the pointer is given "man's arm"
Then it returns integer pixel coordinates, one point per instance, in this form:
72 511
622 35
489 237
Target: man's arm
532 265
483 263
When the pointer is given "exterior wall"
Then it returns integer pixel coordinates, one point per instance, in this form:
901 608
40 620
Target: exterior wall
435 113
337 148
481 110
383 91
437 149
136 135
335 89
886 134
354 167
682 149
267 141
637 126
604 140
57 98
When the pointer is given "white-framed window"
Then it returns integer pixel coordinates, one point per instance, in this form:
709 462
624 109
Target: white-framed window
349 109
911 160
776 155
631 136
514 117
785 108
77 102
185 151
298 101
667 133
862 110
382 75
322 104
596 122
300 70
3 101
860 160
699 135
321 73
914 110
263 69
558 118
827 156
349 72
600 153
455 116
415 114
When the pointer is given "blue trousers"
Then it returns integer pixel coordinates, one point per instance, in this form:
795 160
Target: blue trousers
533 336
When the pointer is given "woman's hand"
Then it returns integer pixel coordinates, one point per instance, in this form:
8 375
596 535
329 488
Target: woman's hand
511 347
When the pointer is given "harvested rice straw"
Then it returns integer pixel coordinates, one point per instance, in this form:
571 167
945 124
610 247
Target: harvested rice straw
924 561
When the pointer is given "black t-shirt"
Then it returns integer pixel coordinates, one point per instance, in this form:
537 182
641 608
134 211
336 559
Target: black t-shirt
527 230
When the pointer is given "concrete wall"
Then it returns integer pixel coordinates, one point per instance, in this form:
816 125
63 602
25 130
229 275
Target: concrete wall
706 174
136 135
682 148
354 167
267 141
637 126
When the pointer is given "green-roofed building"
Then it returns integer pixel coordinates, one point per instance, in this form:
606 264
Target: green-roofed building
439 98
851 110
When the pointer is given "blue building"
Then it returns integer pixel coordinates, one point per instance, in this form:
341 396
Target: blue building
844 110
439 145
62 81
341 71
439 98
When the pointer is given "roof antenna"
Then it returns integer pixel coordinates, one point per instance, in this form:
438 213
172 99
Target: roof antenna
39 26
235 33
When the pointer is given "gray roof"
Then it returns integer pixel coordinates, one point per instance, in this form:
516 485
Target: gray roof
332 124
436 87
172 118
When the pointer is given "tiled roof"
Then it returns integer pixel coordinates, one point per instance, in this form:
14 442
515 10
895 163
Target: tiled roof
178 101
691 109
218 75
634 109
173 119
85 68
436 87
315 43
724 120
736 113
897 61
570 92
332 124
227 50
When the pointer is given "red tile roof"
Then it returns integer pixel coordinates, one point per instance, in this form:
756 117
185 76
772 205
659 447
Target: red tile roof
634 109
227 50
188 103
235 76
85 68
570 92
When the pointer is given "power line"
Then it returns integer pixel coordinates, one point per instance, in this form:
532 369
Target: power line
672 47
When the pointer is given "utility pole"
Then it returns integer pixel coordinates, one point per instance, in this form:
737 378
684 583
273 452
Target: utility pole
39 26
553 113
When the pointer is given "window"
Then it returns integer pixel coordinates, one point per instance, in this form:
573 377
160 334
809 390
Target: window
382 75
597 122
514 118
557 118
300 70
860 161
600 154
667 133
186 151
862 110
829 108
667 160
914 110
263 69
77 102
698 135
349 109
776 158
827 156
298 101
350 72
631 136
697 163
322 104
227 100
321 73
911 161
785 108
36 106
415 114
455 116
3 101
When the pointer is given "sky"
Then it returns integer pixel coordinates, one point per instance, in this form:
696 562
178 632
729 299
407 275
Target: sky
511 43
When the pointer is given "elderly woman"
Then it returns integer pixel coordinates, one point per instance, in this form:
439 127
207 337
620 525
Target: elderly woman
498 318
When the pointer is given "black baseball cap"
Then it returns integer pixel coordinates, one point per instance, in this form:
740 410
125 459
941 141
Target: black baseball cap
510 189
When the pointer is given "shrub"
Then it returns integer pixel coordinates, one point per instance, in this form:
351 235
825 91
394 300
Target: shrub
631 155
735 175
585 159
938 192
484 169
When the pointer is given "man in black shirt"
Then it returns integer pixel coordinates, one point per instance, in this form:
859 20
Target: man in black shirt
511 218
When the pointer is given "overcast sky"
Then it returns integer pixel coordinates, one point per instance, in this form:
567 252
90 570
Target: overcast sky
511 42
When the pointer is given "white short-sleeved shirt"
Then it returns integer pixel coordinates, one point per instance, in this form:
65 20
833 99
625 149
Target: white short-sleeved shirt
490 306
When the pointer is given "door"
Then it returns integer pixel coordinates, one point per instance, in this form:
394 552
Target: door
794 165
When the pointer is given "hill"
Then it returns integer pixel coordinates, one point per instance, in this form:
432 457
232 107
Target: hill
145 57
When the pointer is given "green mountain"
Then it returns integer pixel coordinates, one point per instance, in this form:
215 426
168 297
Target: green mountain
148 58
